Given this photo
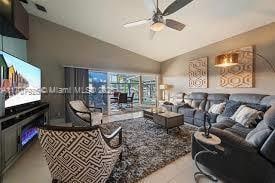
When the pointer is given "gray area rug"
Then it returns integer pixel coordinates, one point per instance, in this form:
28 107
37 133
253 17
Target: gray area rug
147 147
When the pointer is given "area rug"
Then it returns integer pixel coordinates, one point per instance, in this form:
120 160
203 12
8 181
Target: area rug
147 147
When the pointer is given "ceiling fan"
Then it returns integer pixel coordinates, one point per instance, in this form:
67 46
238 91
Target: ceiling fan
158 20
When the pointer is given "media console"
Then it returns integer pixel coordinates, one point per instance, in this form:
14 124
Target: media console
18 130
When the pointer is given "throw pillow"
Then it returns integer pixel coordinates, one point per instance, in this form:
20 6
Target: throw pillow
217 108
258 136
258 107
246 116
230 108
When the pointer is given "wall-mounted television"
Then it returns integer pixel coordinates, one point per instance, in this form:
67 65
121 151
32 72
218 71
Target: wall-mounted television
20 81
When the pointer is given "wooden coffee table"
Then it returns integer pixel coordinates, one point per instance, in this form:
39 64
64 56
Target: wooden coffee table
166 119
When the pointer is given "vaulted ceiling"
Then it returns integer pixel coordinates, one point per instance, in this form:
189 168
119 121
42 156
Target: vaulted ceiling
207 21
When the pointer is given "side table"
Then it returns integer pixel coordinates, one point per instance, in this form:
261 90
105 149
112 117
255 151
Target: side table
213 141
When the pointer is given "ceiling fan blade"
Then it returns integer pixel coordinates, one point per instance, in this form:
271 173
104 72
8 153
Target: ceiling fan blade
152 34
151 6
136 23
175 6
174 24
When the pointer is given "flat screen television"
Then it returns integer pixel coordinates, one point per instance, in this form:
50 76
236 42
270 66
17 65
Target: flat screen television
20 81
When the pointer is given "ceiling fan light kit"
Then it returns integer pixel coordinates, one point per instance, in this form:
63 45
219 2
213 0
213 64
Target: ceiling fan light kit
157 27
158 22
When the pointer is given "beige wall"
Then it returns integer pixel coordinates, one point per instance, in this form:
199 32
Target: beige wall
52 46
175 71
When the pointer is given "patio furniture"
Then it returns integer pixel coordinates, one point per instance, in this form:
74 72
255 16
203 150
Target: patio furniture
122 99
114 98
80 154
82 115
130 100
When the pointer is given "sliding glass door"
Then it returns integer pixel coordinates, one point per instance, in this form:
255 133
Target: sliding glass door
143 88
125 83
149 90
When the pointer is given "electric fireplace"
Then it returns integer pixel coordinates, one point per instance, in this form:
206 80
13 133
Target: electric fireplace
30 131
28 134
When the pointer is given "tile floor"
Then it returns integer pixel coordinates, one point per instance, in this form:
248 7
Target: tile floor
32 167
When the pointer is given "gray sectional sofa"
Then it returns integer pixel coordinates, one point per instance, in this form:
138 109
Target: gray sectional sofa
249 153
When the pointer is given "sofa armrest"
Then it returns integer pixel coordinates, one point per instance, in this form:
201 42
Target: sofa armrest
231 140
268 149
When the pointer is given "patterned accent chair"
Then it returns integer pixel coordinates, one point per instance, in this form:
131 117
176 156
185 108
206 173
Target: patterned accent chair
80 154
82 115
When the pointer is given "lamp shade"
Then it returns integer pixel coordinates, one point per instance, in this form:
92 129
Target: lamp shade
163 87
227 60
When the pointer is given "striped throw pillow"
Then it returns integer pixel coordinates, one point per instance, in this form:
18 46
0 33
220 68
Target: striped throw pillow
217 108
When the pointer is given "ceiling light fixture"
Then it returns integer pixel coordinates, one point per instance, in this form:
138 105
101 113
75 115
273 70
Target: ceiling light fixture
157 27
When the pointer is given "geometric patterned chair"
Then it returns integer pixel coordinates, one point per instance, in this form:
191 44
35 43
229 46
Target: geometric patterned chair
79 154
82 115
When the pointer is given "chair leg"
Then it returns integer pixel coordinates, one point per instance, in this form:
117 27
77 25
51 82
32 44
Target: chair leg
54 181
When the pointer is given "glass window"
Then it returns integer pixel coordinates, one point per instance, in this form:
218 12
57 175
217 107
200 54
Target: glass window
99 96
149 85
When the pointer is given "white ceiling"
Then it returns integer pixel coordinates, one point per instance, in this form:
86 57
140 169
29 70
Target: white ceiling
207 21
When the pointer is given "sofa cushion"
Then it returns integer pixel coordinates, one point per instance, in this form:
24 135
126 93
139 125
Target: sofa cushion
217 108
196 100
269 117
199 114
258 107
221 118
189 120
247 97
213 117
247 116
199 118
239 129
230 108
268 148
177 106
187 112
198 122
227 123
215 98
258 136
268 100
